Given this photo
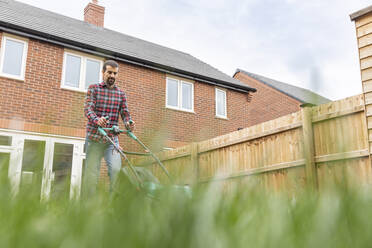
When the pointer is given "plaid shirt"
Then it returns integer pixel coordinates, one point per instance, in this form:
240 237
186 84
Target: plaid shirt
102 101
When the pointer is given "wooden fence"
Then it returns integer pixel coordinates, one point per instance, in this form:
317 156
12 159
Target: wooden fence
313 146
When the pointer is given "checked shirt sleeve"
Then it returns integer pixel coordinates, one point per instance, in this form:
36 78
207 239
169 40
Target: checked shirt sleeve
89 106
124 112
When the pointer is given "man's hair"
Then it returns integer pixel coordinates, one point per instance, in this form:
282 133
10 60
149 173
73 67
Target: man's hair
111 63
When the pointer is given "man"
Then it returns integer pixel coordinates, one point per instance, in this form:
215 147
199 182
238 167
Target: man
104 99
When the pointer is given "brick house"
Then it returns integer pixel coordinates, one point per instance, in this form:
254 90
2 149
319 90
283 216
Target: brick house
48 60
274 99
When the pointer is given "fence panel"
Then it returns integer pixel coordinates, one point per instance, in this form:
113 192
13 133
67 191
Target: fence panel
272 153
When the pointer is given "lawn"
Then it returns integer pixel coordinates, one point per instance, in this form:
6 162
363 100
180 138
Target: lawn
244 216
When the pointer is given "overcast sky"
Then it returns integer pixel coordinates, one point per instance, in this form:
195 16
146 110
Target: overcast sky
310 44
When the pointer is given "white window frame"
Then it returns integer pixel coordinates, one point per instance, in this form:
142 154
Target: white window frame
216 103
179 100
24 56
83 62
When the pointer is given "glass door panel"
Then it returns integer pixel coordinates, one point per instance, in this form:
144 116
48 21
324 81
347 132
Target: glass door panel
5 140
61 173
32 165
4 167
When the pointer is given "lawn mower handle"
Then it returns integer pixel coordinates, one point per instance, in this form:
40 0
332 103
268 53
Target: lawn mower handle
131 135
116 130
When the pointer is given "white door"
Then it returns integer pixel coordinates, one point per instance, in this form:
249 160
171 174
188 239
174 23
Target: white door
52 165
64 174
34 164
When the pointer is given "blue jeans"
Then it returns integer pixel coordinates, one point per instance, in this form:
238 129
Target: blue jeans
94 153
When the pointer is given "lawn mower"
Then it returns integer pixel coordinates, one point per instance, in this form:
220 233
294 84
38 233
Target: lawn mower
139 177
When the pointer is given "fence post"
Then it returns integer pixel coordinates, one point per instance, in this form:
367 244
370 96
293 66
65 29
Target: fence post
308 144
194 147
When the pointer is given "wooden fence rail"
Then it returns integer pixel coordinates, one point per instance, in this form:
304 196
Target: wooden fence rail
313 146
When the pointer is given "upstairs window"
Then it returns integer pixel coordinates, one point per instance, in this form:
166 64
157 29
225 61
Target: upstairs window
180 95
80 71
221 110
13 57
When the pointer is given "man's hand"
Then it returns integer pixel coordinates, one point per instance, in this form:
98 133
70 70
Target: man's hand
102 122
129 125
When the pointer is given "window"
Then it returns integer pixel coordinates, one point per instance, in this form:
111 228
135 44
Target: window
80 71
180 95
32 164
61 170
5 140
13 57
4 166
221 103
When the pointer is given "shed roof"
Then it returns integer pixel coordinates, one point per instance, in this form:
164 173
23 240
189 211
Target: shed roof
361 12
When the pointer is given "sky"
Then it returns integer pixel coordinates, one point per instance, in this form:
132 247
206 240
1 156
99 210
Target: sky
309 44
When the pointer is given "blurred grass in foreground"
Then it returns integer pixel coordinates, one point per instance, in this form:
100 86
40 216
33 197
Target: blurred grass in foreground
244 217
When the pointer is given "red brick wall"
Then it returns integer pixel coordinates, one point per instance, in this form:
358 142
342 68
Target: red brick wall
39 101
267 103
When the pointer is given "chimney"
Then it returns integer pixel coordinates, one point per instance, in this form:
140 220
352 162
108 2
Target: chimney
94 14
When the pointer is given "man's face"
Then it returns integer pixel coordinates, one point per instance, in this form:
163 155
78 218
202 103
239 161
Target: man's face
109 76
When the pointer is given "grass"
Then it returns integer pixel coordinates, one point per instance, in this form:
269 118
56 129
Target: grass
246 216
